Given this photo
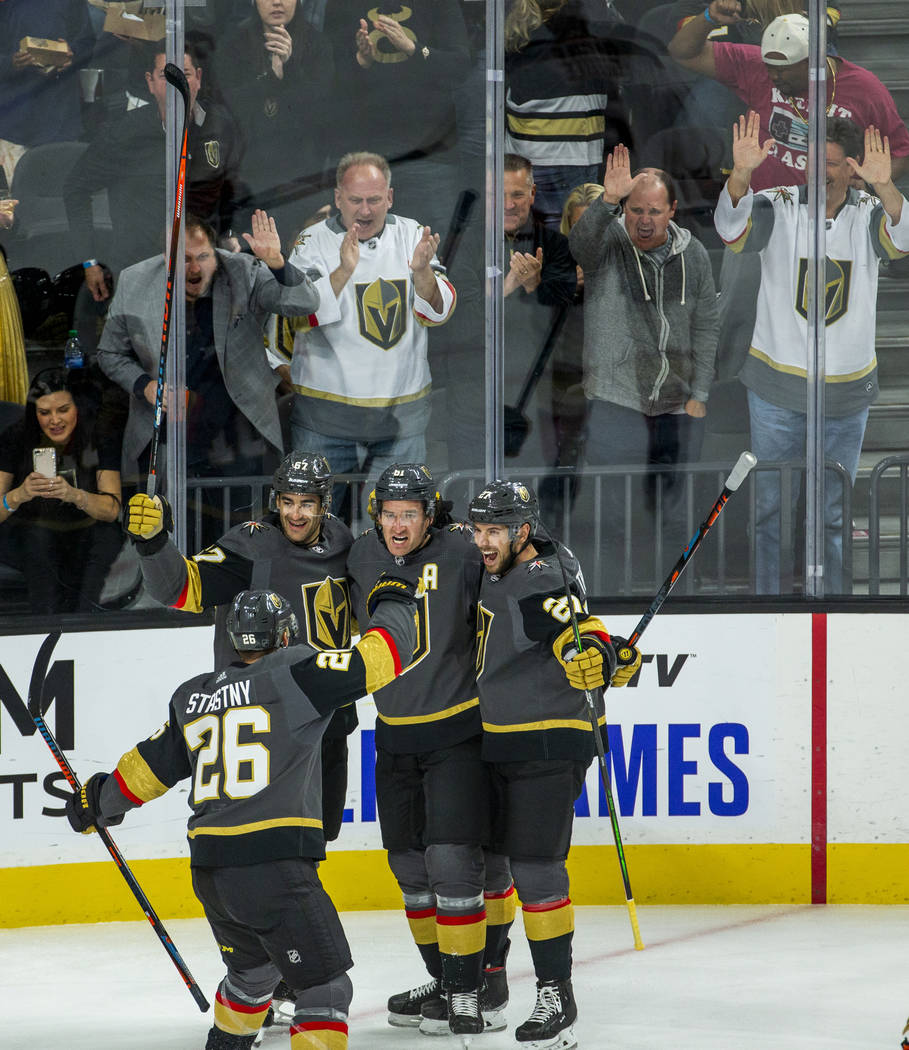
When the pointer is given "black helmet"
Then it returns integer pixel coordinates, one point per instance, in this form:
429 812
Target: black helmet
506 503
406 481
258 619
302 472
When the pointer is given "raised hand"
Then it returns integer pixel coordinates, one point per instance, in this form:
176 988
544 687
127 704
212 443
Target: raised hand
876 169
264 240
617 182
747 151
426 248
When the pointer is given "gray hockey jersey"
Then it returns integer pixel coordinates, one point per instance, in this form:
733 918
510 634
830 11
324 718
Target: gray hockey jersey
529 710
250 737
434 704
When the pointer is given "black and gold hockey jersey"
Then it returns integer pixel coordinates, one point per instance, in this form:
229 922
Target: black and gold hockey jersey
434 704
250 737
529 710
257 555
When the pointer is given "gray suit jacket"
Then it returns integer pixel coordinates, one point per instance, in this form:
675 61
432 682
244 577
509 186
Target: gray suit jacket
245 292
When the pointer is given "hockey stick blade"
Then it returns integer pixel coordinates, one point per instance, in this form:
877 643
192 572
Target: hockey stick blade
35 708
174 75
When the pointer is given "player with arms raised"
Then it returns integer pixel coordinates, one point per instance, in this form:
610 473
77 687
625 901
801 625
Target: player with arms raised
537 735
249 736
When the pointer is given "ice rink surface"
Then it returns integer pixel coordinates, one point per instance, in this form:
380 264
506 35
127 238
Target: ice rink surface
709 978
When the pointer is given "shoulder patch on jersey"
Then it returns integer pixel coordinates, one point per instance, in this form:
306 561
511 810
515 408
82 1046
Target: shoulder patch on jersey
538 565
302 238
461 526
783 193
255 526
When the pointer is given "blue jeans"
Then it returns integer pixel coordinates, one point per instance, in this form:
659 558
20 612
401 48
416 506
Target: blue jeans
780 434
349 456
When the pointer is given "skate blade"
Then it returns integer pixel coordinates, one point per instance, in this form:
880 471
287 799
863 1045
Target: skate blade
494 1020
565 1040
403 1021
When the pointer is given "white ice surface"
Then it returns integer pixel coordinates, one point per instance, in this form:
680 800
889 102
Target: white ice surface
709 978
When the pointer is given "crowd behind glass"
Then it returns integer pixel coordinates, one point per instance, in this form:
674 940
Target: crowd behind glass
646 343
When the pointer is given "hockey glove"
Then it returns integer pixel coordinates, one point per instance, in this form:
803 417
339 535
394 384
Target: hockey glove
628 662
587 669
394 588
147 518
83 808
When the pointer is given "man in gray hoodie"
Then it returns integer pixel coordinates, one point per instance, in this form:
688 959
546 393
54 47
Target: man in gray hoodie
650 332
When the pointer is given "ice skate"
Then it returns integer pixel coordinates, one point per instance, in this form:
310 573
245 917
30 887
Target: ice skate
905 1043
464 1018
405 1010
493 1000
549 1025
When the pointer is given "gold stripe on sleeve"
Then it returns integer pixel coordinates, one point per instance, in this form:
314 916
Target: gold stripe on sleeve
140 781
379 660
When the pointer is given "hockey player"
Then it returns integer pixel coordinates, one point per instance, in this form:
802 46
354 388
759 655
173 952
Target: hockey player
249 736
432 788
537 735
298 548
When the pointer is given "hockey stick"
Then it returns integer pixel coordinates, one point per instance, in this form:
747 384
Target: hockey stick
36 710
737 475
462 209
601 757
177 78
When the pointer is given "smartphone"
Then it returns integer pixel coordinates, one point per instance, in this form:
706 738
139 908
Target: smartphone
44 461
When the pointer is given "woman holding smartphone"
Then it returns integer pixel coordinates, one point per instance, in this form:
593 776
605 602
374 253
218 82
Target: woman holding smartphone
60 489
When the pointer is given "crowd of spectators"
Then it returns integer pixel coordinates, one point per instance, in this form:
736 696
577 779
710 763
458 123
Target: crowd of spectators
321 132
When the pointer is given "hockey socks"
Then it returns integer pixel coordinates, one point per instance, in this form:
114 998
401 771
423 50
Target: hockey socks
237 1014
461 931
318 1034
500 913
549 927
421 917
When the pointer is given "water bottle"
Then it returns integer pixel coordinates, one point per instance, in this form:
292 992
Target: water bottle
73 354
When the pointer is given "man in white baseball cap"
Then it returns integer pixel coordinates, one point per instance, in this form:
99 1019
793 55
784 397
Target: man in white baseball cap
773 81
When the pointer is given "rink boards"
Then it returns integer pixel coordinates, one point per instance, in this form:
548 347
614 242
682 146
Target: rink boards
758 758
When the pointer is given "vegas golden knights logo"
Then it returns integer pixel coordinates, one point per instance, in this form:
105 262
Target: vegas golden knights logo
836 290
381 310
484 622
327 606
385 51
213 153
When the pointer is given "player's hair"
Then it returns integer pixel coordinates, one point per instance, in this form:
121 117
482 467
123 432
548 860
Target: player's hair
846 133
151 51
580 197
516 163
362 158
522 17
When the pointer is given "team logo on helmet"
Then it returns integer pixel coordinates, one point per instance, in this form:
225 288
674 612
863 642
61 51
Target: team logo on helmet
523 494
327 608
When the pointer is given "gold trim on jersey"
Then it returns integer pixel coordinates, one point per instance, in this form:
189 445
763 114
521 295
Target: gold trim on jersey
192 598
449 712
737 244
793 370
364 402
378 660
886 242
549 723
138 777
258 825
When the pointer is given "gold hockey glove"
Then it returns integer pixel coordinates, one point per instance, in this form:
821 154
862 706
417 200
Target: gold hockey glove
146 517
